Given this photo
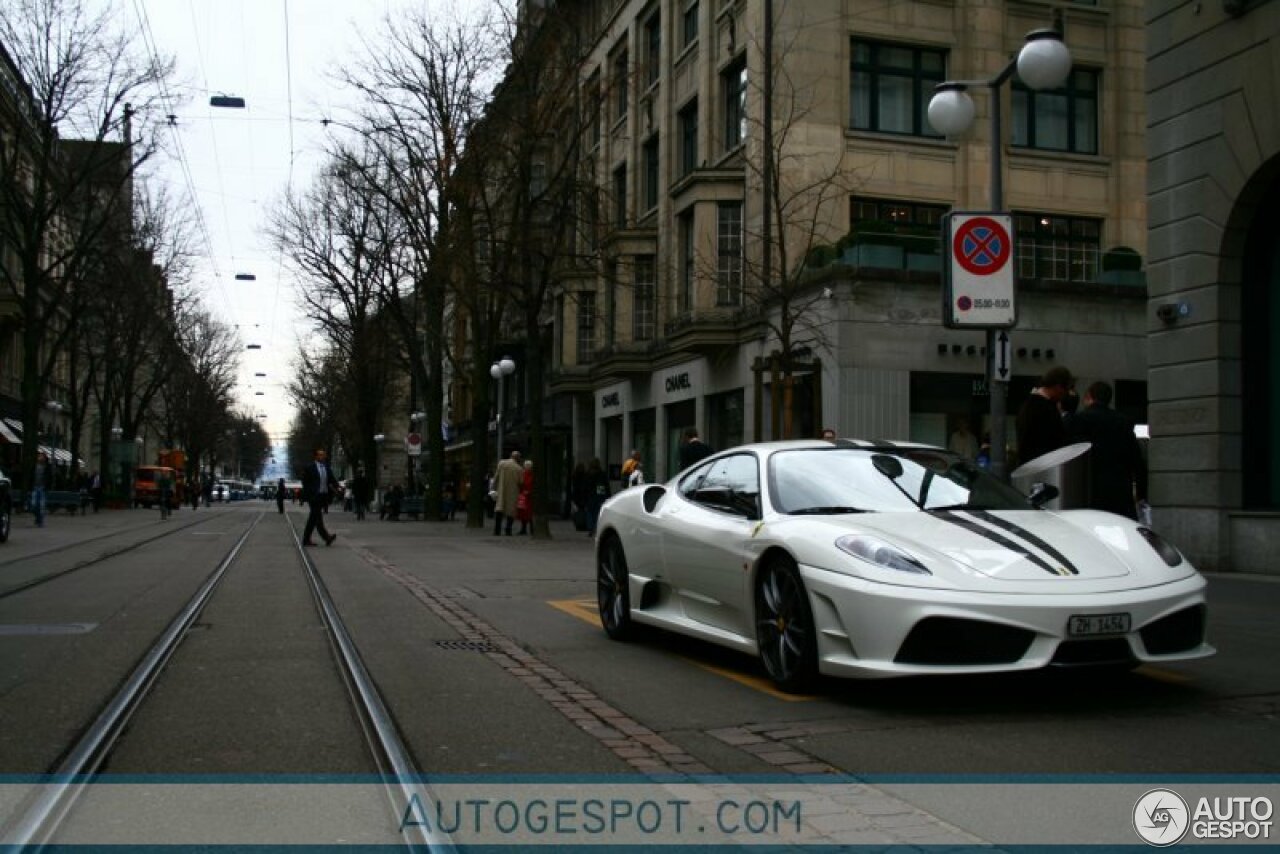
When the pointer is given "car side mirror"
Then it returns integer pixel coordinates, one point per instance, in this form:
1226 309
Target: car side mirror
1042 493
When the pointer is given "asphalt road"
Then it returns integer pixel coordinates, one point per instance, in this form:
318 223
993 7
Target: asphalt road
488 654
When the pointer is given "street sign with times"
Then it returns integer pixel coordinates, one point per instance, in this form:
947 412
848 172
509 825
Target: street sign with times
978 278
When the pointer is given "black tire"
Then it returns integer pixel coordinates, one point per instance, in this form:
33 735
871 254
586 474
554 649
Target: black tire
613 596
785 631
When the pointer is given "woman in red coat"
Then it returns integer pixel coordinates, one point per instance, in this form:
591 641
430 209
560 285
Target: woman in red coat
524 504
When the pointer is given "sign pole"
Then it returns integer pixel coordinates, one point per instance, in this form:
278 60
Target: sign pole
999 390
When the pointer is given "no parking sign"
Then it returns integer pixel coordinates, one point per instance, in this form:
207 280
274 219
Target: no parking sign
978 278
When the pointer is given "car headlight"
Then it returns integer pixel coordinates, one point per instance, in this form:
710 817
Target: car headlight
880 553
1167 553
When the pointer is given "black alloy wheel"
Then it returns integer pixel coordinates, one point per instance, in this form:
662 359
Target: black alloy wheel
612 594
784 626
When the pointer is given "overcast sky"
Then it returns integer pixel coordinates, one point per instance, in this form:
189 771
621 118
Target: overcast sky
274 54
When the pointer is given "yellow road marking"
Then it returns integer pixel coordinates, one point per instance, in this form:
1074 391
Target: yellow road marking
1162 675
585 610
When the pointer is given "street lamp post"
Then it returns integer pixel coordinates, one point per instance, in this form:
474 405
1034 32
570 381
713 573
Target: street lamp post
55 408
500 370
1044 62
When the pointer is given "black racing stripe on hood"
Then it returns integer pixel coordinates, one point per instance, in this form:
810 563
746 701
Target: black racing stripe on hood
987 533
1022 532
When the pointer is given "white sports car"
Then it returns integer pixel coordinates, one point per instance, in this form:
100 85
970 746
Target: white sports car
889 559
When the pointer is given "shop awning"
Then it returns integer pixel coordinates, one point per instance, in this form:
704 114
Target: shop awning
11 428
7 434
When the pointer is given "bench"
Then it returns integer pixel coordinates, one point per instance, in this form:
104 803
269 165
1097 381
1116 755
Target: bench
54 500
412 507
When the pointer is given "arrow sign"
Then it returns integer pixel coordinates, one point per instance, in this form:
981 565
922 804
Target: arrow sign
1004 359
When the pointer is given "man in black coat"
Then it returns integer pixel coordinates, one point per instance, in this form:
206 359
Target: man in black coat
1040 427
318 484
1116 468
694 450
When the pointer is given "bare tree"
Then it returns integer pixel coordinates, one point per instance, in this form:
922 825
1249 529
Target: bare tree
82 77
528 153
336 240
197 397
802 187
423 84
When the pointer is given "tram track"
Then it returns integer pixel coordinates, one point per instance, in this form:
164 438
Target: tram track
101 557
36 824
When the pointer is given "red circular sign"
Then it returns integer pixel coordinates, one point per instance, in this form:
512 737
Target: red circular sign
981 246
414 438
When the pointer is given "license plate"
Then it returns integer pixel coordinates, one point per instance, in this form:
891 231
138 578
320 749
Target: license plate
1098 624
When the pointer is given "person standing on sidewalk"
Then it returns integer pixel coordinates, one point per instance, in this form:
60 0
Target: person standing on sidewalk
318 483
598 493
39 479
506 483
280 491
164 483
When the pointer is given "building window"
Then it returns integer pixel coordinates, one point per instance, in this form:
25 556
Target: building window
689 25
1060 248
595 106
894 212
686 262
620 196
891 86
689 138
729 253
586 327
611 319
1063 119
653 49
644 315
733 82
649 200
619 83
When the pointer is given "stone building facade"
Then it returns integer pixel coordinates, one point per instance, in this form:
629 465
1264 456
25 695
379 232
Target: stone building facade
670 332
1213 85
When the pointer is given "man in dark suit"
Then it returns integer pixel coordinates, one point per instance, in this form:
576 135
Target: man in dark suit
318 484
1116 469
694 450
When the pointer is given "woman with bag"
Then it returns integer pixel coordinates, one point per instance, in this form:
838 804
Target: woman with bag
524 503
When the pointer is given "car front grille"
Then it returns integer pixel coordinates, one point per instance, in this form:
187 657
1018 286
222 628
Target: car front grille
1178 632
954 641
1085 652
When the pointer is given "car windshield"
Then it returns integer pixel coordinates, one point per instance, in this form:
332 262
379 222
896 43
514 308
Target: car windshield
830 480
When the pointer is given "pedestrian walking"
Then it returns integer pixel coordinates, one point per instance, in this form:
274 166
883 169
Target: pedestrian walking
318 484
39 480
598 491
360 493
629 465
506 484
164 484
281 489
524 501
580 495
95 491
636 478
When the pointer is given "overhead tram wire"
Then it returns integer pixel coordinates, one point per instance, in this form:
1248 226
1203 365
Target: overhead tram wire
148 38
288 76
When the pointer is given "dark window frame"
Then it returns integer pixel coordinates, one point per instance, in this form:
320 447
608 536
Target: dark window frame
1081 102
922 82
644 308
586 327
620 195
1057 247
651 163
653 49
729 255
733 85
687 119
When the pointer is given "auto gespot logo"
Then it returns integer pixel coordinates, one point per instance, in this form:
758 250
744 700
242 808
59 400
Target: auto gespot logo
1161 817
